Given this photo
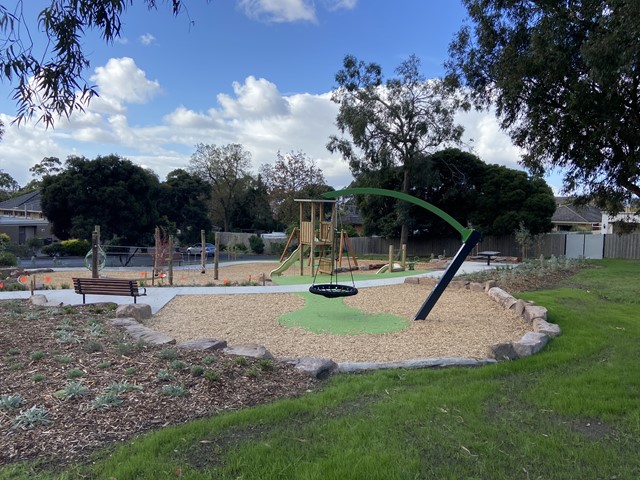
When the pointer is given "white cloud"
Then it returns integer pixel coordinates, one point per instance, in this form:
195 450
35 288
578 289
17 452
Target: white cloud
120 80
279 11
257 115
255 98
340 4
488 141
147 39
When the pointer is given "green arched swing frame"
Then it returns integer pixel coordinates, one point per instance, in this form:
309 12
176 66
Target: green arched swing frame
470 238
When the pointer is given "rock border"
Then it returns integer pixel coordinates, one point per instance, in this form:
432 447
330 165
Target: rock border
131 316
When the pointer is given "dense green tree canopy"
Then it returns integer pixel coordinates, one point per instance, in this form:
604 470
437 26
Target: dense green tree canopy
565 80
253 212
183 200
109 191
226 169
49 71
491 198
395 122
506 198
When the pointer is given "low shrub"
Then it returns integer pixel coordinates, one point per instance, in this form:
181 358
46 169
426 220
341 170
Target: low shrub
8 259
54 250
76 247
256 244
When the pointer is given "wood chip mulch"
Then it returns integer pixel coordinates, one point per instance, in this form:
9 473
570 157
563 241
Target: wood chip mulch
43 349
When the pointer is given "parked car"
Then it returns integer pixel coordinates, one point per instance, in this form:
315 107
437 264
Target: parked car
196 249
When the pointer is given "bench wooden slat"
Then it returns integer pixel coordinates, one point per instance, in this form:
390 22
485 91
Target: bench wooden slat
107 286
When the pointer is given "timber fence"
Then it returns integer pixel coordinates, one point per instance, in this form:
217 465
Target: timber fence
613 245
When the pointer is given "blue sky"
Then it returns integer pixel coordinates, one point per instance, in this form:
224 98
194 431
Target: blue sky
255 72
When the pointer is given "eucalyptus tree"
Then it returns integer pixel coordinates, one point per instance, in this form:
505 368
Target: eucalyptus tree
47 65
289 177
564 77
394 122
227 169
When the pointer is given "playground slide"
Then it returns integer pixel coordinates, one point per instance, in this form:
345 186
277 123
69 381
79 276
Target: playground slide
396 268
287 263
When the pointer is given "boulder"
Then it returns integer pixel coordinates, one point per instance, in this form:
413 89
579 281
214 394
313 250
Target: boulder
320 368
518 307
459 284
123 322
476 287
502 351
41 300
203 344
489 284
249 350
530 343
503 298
354 367
38 299
412 280
139 311
549 329
428 281
531 312
148 335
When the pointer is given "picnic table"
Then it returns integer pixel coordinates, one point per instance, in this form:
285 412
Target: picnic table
488 254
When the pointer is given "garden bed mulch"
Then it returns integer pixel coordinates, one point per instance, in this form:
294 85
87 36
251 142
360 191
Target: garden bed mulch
45 349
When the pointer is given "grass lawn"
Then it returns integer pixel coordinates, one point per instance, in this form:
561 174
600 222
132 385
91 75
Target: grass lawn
569 412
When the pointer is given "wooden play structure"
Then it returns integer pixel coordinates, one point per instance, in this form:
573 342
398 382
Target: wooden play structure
317 234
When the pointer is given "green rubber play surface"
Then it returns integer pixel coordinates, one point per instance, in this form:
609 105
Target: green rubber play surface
332 316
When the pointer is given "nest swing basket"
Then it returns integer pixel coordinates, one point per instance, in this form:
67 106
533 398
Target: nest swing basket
333 290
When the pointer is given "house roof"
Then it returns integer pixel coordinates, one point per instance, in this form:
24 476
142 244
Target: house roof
568 213
28 201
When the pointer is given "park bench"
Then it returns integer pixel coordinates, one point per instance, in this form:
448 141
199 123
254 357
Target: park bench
107 286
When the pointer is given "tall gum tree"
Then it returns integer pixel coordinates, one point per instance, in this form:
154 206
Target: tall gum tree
286 179
564 77
394 122
226 169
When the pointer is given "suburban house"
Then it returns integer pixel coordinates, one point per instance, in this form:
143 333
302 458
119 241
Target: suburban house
572 218
21 218
624 222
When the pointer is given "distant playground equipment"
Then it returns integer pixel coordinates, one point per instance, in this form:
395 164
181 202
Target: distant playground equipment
101 259
318 233
395 266
470 239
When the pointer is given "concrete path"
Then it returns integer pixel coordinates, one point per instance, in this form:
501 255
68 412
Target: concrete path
158 297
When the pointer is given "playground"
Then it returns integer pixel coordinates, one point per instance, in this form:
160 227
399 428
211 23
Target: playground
375 325
463 324
333 319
